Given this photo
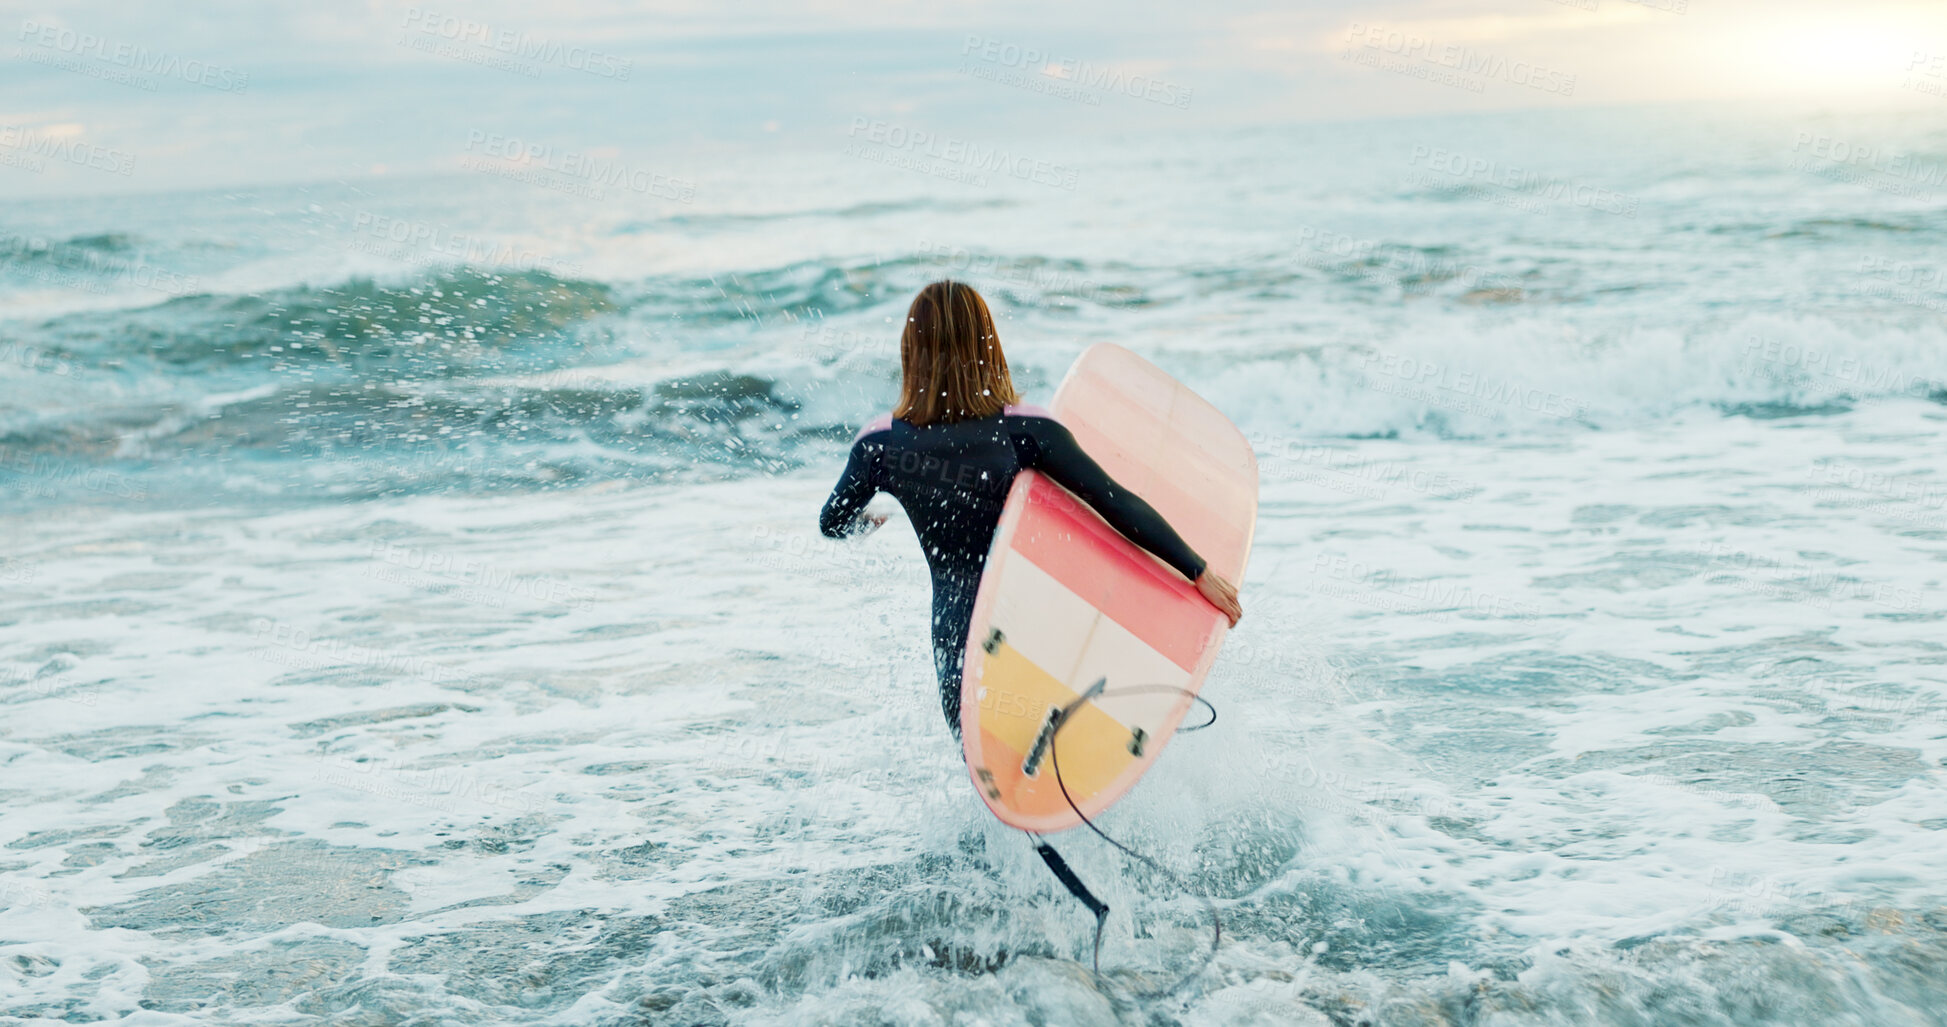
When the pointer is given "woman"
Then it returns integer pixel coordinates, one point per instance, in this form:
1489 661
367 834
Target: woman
949 452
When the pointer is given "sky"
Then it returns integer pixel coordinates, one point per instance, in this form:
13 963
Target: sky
117 97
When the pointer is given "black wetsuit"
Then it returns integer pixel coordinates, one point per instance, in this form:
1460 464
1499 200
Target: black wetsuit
952 480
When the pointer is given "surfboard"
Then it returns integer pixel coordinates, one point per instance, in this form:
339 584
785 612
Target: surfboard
1066 604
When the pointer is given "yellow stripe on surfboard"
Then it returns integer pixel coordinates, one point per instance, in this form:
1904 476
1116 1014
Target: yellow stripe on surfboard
1015 697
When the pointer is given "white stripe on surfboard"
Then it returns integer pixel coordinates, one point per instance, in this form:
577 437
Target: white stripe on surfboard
1074 642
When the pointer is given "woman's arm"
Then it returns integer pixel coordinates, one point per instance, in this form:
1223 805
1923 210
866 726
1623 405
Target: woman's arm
844 512
1053 450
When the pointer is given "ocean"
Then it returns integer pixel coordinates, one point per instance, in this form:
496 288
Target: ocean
413 611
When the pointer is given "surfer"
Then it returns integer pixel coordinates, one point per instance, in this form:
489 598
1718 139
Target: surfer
949 452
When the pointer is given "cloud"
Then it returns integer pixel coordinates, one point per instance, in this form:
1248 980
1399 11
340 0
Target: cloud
347 85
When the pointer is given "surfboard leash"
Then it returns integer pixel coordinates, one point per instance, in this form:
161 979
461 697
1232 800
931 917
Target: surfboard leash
1075 887
1059 867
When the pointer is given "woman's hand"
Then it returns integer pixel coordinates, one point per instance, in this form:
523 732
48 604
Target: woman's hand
1221 593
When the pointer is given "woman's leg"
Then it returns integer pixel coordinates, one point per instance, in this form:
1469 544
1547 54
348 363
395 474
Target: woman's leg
946 663
952 612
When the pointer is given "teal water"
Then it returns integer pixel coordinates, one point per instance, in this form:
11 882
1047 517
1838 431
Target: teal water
413 610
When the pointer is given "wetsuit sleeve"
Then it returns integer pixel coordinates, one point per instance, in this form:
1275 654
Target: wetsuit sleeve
855 488
1052 449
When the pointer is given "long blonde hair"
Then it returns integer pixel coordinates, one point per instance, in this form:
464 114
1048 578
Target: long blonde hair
951 359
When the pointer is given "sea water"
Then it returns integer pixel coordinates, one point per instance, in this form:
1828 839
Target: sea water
412 609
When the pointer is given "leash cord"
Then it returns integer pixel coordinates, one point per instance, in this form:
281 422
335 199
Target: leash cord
1074 885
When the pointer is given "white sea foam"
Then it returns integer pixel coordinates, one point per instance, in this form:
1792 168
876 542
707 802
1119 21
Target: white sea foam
1589 669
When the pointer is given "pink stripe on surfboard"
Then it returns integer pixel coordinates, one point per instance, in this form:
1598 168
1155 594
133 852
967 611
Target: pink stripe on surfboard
1149 599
